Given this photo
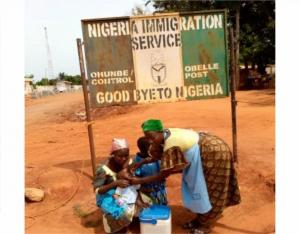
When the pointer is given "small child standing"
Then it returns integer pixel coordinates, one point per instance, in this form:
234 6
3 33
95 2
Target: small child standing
155 190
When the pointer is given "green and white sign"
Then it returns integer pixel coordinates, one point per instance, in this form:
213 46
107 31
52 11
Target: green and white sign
160 58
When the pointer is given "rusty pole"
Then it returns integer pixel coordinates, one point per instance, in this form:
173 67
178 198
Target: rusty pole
233 100
237 47
87 105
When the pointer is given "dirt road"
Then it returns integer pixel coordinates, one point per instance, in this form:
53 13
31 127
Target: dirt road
57 149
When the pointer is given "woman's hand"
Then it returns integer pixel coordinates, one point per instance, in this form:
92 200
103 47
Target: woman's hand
117 183
165 173
122 183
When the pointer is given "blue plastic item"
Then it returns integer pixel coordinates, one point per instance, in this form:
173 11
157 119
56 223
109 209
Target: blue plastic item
154 213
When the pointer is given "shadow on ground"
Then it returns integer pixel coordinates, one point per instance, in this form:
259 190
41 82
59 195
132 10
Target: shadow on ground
77 165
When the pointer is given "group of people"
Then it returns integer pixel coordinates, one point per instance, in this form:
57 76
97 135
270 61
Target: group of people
124 185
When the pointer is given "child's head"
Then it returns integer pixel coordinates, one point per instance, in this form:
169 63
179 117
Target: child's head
143 145
156 151
125 174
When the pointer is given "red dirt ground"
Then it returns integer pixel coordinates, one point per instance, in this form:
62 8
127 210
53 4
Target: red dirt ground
57 148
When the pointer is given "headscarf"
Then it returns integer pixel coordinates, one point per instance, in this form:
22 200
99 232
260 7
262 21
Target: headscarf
119 143
152 125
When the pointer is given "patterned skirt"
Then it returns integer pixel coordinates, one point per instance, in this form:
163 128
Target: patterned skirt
157 192
220 176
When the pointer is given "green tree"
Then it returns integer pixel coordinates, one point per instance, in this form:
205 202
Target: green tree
257 40
43 81
76 80
61 76
137 10
52 81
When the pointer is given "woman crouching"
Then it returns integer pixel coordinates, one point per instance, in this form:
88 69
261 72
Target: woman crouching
116 189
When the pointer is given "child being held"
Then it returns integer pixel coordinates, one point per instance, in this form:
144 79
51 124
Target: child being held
130 194
115 201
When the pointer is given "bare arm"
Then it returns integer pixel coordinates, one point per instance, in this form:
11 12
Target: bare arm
176 171
148 179
104 188
137 165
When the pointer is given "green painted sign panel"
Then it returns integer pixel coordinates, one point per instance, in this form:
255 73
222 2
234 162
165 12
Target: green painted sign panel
204 55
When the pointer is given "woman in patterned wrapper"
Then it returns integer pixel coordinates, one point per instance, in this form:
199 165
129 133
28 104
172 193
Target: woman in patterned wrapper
209 182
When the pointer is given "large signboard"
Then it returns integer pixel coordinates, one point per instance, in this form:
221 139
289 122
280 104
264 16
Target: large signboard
157 58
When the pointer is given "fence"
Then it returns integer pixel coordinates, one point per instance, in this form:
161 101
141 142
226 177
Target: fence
41 91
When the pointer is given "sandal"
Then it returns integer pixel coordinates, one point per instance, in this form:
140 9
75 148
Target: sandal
191 224
200 231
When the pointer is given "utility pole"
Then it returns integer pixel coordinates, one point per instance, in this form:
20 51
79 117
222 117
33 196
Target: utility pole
50 64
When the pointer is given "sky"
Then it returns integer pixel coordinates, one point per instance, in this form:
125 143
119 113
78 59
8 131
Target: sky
63 21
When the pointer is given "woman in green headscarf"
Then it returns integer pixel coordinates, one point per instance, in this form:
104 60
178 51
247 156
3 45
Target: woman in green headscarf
209 182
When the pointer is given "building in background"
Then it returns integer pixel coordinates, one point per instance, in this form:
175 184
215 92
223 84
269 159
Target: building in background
63 86
28 84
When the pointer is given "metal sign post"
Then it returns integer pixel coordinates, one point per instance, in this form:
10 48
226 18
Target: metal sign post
233 100
87 105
